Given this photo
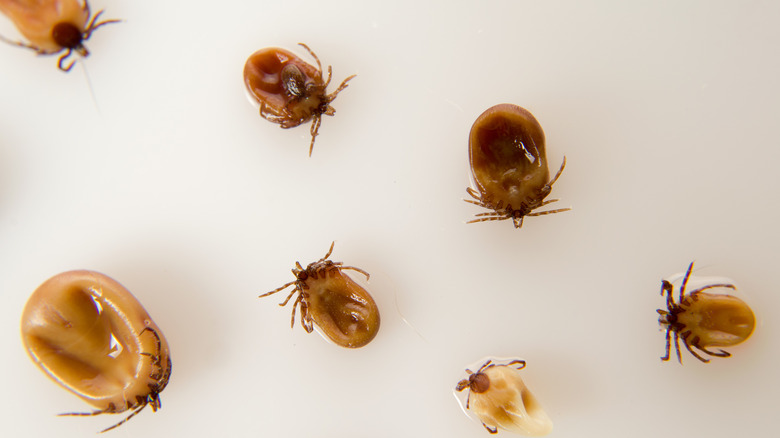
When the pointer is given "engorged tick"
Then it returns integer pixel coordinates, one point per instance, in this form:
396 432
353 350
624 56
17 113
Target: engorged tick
703 320
91 336
342 310
51 26
509 164
290 91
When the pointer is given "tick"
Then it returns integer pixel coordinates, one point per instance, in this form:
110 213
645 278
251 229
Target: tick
92 336
499 398
340 308
509 165
704 320
53 26
290 91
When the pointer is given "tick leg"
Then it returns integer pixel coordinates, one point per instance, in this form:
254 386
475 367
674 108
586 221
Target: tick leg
669 289
677 346
719 353
518 362
485 365
688 346
109 410
493 431
314 130
343 85
65 56
685 281
726 285
288 297
155 357
135 412
485 219
357 269
295 304
93 24
563 164
542 213
330 250
277 289
316 58
668 344
21 44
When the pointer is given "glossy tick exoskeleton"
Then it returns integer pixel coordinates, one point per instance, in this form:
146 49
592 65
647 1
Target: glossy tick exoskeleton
703 320
92 337
340 308
53 26
499 398
290 91
509 163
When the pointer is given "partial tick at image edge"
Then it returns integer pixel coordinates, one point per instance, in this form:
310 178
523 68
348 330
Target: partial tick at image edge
53 26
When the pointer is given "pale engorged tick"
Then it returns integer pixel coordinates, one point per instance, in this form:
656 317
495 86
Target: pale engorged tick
91 336
342 310
500 400
51 26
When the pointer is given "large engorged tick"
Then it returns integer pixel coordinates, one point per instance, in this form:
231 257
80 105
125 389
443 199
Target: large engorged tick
91 336
704 320
509 165
499 399
51 26
342 310
290 91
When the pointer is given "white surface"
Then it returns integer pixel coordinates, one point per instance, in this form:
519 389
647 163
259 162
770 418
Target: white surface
666 111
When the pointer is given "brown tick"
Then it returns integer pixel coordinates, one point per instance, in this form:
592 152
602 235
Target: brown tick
92 337
290 91
509 165
342 310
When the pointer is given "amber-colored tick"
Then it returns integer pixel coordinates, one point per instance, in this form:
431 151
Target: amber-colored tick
703 320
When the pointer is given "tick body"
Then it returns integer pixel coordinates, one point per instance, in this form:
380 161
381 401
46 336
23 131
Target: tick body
340 308
53 26
290 91
499 398
92 337
704 320
509 164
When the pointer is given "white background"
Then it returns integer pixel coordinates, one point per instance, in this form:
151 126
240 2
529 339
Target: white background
171 183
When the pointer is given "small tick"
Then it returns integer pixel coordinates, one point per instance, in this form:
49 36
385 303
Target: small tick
342 310
290 91
499 398
703 320
509 165
51 26
92 337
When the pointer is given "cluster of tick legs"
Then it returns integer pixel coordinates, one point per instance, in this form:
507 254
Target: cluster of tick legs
500 212
678 330
478 382
313 271
69 37
160 379
294 84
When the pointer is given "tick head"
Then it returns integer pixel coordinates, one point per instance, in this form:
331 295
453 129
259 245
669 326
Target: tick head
479 382
69 36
